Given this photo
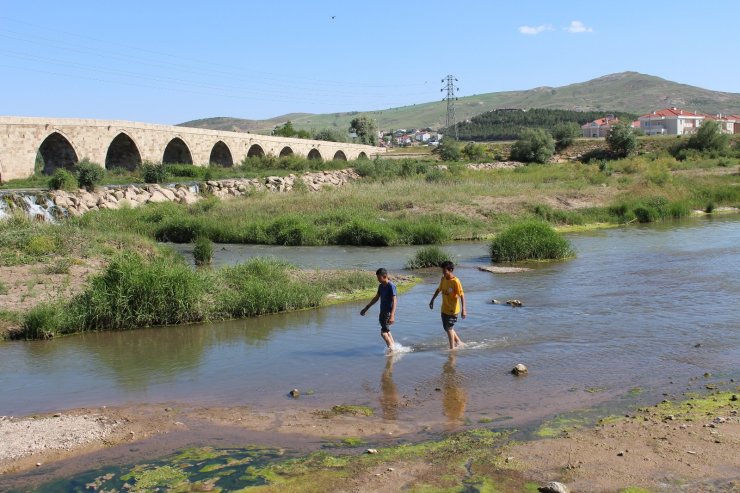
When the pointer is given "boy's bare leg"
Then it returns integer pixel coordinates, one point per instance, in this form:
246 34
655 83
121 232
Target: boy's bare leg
388 338
453 338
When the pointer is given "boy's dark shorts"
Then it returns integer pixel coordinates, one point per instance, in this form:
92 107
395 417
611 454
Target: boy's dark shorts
448 321
384 318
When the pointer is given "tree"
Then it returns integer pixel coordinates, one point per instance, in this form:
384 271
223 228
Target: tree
330 135
474 152
448 149
564 134
534 146
286 130
365 129
621 140
709 137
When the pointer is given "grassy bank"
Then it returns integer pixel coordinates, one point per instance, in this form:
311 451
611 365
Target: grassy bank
134 292
412 202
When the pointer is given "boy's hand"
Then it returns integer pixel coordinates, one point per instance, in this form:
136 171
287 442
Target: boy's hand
464 313
363 311
431 305
391 320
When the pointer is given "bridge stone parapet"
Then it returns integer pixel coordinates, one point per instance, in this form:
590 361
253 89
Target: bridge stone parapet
62 142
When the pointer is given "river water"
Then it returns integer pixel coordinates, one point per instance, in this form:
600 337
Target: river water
626 313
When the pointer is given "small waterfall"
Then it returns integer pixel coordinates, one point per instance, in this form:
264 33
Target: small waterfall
42 211
4 209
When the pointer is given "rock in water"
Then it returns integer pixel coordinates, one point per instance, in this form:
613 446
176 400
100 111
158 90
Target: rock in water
554 487
295 393
514 303
519 369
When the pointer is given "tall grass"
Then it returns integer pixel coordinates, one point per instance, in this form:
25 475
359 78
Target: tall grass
529 240
430 256
135 292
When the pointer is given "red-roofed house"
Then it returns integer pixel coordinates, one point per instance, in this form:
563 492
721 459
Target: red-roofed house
600 127
675 121
671 121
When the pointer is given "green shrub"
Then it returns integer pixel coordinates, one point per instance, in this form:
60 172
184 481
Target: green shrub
153 173
183 170
448 149
621 140
565 134
474 152
89 175
419 233
534 146
436 175
179 230
63 180
43 321
203 251
40 244
263 286
132 292
291 231
529 240
645 214
431 256
364 234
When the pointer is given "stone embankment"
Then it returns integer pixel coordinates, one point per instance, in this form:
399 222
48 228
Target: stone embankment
54 204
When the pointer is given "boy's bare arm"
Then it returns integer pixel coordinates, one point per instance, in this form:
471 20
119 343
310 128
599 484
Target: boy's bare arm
434 296
462 302
393 311
372 302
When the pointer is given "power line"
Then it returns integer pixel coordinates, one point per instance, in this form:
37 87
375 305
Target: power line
450 98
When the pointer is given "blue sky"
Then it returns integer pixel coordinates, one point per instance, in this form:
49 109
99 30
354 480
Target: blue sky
168 62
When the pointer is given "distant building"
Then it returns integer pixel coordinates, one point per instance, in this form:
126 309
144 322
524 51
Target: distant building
600 127
675 121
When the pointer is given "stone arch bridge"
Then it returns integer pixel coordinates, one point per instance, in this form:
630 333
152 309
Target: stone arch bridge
62 142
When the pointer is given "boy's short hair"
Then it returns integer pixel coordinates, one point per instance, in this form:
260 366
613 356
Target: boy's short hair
381 272
447 265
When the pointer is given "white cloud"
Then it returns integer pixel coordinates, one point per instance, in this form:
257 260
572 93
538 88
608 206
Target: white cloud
532 30
578 27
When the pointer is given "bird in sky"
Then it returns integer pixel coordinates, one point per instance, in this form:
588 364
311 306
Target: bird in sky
333 17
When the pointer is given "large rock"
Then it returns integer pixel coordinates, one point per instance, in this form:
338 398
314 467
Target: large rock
157 197
554 487
520 369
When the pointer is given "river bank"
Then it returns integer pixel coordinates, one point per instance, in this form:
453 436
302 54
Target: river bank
690 443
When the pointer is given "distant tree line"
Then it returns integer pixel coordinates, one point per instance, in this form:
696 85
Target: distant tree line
509 124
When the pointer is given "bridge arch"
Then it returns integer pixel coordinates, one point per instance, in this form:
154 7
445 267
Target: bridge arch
177 152
123 153
314 154
286 151
256 150
339 156
362 155
221 155
56 151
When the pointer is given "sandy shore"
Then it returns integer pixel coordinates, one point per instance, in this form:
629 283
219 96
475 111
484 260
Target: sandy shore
693 445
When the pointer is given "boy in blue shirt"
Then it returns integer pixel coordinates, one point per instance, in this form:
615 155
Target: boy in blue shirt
388 300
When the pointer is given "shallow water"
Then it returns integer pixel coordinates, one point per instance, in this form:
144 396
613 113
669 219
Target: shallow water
626 313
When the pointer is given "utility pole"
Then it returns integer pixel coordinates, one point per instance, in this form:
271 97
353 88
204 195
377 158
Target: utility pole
451 89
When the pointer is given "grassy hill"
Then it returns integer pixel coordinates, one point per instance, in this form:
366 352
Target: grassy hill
630 92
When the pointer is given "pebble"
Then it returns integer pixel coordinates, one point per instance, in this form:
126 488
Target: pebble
38 464
57 415
390 469
519 369
372 451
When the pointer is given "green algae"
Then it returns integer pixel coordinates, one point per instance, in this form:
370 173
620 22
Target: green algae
635 489
559 424
160 477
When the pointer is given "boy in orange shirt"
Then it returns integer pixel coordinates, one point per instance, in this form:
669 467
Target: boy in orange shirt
453 299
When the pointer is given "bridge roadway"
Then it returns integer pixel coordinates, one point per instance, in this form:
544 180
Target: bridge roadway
62 142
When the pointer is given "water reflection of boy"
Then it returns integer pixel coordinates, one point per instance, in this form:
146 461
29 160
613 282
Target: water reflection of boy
454 396
388 392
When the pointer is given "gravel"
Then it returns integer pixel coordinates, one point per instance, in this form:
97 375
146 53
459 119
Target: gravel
26 436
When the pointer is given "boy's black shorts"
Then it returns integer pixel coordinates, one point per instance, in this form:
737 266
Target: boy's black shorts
384 318
448 321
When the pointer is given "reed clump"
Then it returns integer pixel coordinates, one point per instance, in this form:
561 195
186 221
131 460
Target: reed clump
529 240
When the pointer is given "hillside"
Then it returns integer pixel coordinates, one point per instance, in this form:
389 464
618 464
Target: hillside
629 92
508 124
